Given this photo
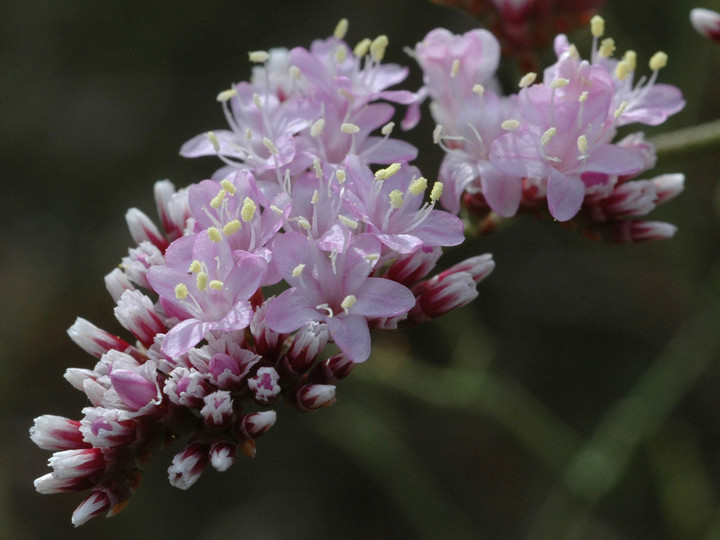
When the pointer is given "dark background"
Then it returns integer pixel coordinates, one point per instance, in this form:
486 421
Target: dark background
576 398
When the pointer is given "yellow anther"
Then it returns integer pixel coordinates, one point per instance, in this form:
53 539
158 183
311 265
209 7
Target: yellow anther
349 223
621 109
454 70
377 47
597 26
547 136
479 89
527 79
622 70
298 270
340 54
387 172
582 144
228 186
396 198
270 145
195 266
658 60
214 234
419 186
213 140
315 197
218 199
573 52
372 257
232 227
348 301
630 58
258 56
226 95
583 97
510 124
248 209
304 223
559 83
181 291
607 48
387 128
318 168
347 127
276 209
216 285
201 281
295 72
341 29
436 191
317 128
340 176
362 48
437 133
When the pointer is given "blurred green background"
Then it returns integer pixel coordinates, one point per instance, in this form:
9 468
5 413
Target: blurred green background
576 398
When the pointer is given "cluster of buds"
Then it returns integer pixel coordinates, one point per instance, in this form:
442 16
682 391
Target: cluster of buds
550 148
297 207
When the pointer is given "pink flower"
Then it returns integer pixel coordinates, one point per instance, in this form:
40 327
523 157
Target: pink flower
207 286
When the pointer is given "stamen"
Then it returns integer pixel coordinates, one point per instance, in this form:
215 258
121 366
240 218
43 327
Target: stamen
396 198
362 48
510 124
547 136
270 145
349 223
573 52
201 281
607 48
232 227
436 192
620 109
559 83
419 186
258 56
213 140
455 68
181 291
326 308
597 26
384 174
658 61
437 134
583 97
216 285
195 266
226 95
340 54
315 197
248 209
582 144
527 79
348 302
256 101
630 58
372 257
276 209
317 127
622 70
340 176
298 270
295 72
228 186
304 223
479 89
341 29
318 168
214 234
347 127
378 46
218 199
387 128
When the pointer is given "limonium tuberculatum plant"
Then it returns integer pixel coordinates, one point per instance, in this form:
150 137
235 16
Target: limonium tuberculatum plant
264 281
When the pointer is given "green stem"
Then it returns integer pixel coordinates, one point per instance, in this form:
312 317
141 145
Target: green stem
398 470
693 139
480 392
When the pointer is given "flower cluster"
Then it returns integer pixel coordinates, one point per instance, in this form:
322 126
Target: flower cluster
551 147
295 211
